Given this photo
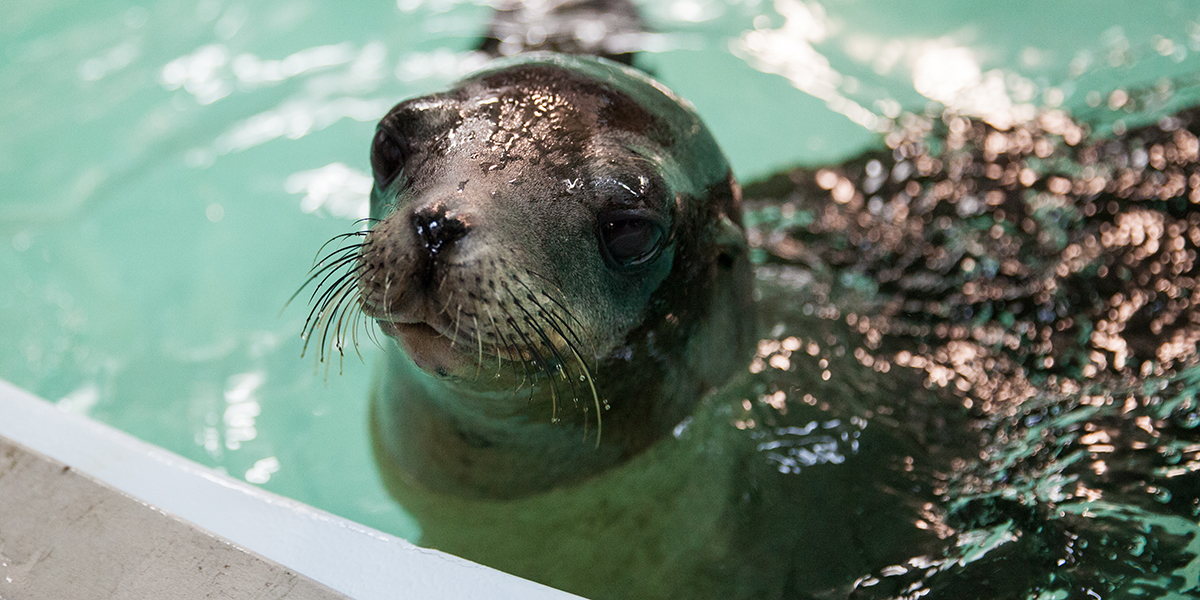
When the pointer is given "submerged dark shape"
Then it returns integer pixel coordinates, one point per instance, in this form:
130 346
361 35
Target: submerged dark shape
611 29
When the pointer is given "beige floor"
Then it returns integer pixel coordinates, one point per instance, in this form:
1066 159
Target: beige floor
65 536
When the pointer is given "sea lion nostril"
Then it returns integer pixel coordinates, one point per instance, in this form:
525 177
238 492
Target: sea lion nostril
436 229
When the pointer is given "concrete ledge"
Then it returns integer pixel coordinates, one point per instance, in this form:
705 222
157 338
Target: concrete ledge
349 558
66 536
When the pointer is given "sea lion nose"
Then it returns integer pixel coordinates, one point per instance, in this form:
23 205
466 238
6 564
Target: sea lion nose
437 229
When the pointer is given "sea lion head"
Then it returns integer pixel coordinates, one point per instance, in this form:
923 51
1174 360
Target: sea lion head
559 237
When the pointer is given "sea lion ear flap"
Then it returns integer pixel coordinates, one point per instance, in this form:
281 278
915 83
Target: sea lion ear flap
729 235
730 242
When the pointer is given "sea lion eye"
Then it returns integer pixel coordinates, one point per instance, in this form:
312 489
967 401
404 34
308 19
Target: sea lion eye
387 157
630 240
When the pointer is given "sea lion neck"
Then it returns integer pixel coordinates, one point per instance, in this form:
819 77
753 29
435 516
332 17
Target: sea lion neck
496 441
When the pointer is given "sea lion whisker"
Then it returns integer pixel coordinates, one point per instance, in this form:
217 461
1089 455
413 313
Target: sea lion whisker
511 348
371 329
558 359
368 221
338 340
442 281
457 316
546 310
546 367
328 320
553 284
561 304
311 278
548 316
496 330
387 293
348 319
340 236
322 285
332 263
575 338
334 259
321 308
350 250
322 324
479 342
449 298
591 341
329 262
514 349
347 243
587 374
595 397
330 292
562 363
533 298
344 290
357 311
328 271
539 361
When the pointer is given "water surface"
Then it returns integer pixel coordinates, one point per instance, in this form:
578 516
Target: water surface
171 168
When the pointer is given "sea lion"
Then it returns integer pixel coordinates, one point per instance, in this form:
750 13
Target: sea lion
559 259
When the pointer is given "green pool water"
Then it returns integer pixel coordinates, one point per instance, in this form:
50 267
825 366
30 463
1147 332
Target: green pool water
169 169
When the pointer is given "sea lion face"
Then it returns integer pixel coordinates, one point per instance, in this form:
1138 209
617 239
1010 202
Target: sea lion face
557 213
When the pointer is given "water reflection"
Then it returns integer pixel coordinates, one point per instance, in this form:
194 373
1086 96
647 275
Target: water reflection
335 189
338 79
242 408
111 61
199 74
262 470
1039 283
789 51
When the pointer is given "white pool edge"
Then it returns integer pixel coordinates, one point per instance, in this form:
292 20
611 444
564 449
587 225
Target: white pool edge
353 559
